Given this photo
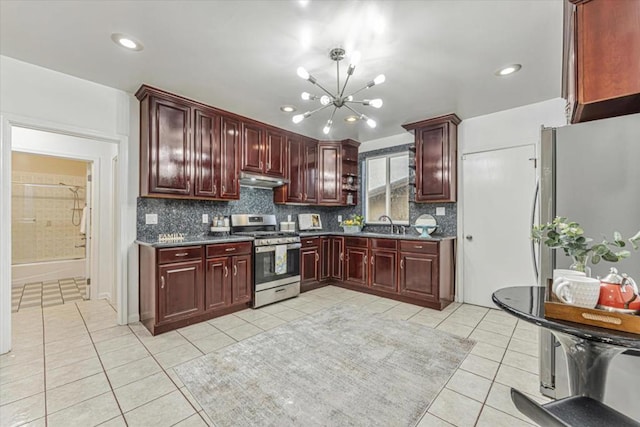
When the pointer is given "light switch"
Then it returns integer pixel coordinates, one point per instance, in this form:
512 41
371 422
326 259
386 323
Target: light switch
151 219
440 211
339 218
205 218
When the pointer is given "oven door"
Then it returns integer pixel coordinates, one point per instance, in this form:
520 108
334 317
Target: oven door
265 266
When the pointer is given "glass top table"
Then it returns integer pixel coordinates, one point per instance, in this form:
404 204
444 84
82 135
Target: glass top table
589 349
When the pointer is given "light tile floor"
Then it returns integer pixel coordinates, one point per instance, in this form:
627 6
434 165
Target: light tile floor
72 365
49 293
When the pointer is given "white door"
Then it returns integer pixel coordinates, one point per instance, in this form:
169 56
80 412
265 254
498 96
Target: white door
498 198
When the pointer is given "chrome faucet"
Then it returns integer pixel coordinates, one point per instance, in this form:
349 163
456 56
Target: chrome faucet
389 219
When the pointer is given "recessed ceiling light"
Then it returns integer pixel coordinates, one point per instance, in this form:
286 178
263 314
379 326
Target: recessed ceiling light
126 41
351 119
287 108
509 69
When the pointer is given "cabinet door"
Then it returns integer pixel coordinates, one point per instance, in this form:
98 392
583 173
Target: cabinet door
309 258
207 154
252 148
432 155
274 153
180 292
337 258
383 274
325 258
242 279
295 167
310 174
356 266
329 191
419 276
229 141
170 148
217 285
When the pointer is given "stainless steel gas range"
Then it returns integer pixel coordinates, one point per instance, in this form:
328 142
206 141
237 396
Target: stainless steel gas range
276 258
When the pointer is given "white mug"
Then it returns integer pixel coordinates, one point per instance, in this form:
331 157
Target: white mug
559 274
580 291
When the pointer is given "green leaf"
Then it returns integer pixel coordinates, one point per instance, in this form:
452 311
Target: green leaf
617 236
610 256
595 259
623 254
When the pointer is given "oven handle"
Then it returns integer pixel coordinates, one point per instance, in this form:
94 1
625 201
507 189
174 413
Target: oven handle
263 249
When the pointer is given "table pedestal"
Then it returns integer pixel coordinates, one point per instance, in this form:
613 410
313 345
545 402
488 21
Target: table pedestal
588 362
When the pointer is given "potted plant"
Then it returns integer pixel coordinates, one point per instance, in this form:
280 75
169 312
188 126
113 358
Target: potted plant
353 225
569 236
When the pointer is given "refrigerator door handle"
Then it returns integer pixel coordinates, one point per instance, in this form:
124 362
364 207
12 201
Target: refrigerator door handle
534 260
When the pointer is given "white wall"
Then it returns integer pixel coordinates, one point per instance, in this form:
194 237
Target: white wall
56 101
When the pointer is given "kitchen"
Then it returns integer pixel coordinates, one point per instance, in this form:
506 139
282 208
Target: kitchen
116 115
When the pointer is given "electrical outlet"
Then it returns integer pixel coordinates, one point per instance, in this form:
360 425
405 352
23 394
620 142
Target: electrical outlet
205 218
440 211
339 218
151 219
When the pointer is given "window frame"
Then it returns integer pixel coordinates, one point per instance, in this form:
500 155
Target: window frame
365 188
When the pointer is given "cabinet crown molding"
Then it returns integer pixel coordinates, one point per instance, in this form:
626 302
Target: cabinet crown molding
447 118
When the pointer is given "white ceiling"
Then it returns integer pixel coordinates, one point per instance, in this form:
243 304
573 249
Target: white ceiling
241 56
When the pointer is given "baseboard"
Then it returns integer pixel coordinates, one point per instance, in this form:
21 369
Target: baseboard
133 318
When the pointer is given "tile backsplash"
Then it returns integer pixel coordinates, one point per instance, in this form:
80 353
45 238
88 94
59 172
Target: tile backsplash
185 216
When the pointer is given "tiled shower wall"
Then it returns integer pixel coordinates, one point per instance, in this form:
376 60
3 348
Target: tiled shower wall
185 216
41 218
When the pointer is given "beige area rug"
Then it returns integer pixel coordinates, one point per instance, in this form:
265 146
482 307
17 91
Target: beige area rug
338 367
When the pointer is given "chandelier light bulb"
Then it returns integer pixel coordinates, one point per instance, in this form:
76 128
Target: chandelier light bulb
297 118
372 123
349 98
327 127
304 74
306 96
380 79
325 100
376 103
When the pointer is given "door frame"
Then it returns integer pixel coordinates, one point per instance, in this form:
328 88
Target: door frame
459 286
120 252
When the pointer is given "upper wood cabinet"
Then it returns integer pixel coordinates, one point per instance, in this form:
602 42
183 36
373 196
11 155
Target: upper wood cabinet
329 173
187 149
436 152
601 60
263 150
275 154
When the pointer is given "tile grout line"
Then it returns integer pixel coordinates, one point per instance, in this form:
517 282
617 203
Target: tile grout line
104 371
44 372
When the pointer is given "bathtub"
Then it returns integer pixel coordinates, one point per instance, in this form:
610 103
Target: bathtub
43 271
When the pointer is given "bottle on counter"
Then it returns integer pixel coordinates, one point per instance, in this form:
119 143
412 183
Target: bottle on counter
226 221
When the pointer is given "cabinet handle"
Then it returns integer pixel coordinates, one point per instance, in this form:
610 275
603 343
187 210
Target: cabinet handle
230 249
223 190
188 186
235 269
309 241
300 196
371 259
226 271
341 256
183 254
401 263
317 257
304 196
365 260
215 188
418 246
260 164
268 165
161 282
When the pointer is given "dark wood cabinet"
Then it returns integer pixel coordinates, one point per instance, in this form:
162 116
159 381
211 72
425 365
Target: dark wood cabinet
275 153
436 152
252 148
187 150
230 141
309 261
330 173
180 293
263 150
356 265
337 258
383 262
427 271
310 172
601 64
350 175
325 259
293 191
188 284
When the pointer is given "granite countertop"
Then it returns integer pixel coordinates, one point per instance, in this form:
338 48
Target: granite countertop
196 240
434 237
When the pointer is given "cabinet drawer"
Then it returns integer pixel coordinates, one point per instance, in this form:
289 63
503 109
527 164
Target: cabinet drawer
179 254
384 244
419 247
356 241
223 249
310 242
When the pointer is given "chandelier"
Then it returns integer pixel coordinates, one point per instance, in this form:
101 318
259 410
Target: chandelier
338 99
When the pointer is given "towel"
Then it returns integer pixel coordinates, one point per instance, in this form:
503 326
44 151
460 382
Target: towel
83 221
281 259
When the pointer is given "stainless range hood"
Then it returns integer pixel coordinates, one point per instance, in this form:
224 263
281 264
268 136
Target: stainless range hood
261 181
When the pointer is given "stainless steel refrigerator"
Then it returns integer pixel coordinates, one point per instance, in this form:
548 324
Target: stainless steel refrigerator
590 173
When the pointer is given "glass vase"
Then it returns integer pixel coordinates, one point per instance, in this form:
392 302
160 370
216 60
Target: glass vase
581 263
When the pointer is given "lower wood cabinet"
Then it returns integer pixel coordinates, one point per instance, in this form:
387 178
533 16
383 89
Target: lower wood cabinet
189 284
309 263
336 257
356 258
325 259
383 273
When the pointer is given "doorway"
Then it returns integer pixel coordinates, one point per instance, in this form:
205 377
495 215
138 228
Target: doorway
51 229
498 191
